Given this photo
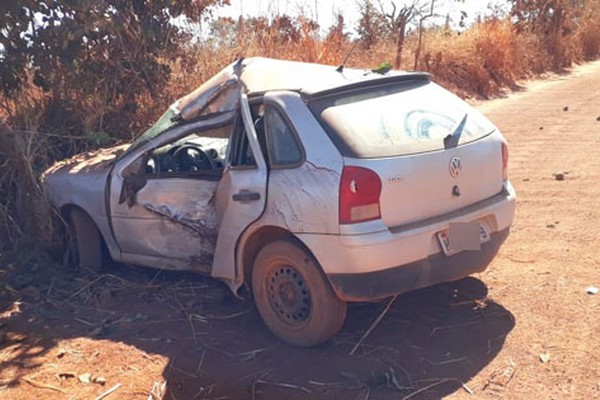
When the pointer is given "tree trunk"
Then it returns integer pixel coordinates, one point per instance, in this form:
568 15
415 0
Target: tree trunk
400 45
418 50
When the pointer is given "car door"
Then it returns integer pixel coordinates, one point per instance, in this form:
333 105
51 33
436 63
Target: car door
191 221
241 195
162 202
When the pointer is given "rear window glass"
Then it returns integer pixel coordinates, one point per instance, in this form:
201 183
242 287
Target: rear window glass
398 120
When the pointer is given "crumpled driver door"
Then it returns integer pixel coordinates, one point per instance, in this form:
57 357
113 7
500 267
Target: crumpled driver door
241 195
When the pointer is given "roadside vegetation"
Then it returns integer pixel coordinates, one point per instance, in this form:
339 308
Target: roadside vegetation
75 76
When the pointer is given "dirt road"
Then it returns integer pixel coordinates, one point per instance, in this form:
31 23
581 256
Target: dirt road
524 329
552 255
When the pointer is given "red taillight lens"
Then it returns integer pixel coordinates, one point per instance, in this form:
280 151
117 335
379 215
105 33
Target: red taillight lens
504 161
360 189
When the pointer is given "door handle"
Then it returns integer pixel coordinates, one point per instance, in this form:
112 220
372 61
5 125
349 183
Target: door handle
245 196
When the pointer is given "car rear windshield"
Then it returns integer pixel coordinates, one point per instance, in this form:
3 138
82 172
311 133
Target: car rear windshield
398 119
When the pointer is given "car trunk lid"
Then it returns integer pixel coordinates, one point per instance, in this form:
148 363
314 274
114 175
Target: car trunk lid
417 187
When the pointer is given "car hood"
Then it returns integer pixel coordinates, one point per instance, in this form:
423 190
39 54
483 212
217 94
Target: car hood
93 161
81 179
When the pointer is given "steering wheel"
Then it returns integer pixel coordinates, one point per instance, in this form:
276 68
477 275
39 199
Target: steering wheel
190 157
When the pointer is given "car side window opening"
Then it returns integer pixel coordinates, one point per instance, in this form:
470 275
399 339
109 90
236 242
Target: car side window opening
197 154
241 155
282 144
258 116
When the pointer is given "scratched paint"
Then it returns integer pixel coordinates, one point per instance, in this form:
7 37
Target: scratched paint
175 217
300 199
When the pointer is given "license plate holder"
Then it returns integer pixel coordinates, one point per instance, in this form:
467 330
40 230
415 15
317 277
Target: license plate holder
463 236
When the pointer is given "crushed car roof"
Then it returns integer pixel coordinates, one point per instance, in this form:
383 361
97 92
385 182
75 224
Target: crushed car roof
264 74
260 75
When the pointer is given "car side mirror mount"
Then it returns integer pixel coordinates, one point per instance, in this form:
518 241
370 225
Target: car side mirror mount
131 185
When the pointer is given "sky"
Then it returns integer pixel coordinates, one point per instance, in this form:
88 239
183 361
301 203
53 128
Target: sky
324 11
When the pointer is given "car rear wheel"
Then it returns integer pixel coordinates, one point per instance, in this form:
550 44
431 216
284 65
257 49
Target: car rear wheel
293 296
84 247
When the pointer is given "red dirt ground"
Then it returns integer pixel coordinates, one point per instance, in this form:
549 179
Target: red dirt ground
524 329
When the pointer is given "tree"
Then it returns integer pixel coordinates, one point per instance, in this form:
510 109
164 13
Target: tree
105 52
420 41
372 25
398 19
551 21
380 22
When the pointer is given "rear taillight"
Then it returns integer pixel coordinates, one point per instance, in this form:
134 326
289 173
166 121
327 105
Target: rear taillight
360 189
504 161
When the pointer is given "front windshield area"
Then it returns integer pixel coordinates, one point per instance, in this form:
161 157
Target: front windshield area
398 120
167 121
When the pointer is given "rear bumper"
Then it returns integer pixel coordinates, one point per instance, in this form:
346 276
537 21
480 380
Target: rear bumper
369 266
430 271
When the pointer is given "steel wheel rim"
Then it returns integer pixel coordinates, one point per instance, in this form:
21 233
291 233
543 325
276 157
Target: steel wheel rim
288 295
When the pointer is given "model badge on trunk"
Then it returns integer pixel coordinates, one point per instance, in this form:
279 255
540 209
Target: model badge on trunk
395 178
455 167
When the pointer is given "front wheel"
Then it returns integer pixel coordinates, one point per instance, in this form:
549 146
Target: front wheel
293 296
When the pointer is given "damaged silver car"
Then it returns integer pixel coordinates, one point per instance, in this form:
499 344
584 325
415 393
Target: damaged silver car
312 184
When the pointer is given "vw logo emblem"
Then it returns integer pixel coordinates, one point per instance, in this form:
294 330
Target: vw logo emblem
455 167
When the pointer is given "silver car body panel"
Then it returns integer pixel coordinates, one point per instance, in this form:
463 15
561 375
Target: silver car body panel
81 181
419 186
236 214
173 218
301 198
262 75
258 75
218 94
388 248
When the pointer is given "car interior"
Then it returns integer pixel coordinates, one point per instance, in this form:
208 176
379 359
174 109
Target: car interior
204 153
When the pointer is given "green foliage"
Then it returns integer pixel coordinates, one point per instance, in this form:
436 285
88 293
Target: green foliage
382 68
111 50
98 139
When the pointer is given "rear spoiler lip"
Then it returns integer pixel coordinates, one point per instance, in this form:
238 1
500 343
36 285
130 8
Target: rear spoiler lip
409 77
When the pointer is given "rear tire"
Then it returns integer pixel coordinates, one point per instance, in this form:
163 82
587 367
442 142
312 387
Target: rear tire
293 296
84 242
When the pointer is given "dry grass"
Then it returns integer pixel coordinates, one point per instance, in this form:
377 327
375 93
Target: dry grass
23 153
483 60
589 33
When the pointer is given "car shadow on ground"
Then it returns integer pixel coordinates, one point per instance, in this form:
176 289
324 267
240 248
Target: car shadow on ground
208 344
